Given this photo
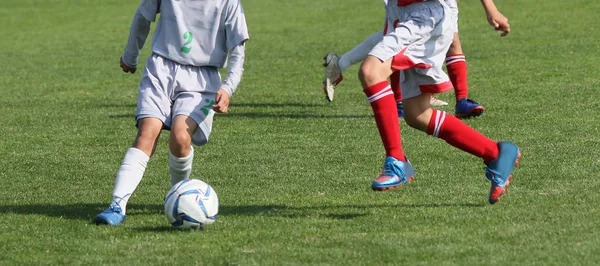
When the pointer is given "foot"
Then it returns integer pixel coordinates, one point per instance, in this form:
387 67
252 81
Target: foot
113 215
467 108
395 174
498 171
333 75
436 102
400 109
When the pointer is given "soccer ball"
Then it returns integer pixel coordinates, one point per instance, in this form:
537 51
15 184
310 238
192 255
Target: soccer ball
191 204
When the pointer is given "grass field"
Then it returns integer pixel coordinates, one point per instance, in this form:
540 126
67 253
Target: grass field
292 170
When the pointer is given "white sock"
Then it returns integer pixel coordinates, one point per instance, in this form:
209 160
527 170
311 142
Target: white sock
129 176
360 52
180 168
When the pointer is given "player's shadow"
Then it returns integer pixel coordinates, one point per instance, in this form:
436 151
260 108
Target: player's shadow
274 105
259 111
291 115
82 211
88 211
340 212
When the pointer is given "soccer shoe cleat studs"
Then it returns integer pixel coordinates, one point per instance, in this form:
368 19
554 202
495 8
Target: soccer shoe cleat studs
467 108
333 75
111 216
498 171
435 102
395 174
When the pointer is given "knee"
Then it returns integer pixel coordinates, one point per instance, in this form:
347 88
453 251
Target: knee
367 74
417 120
411 120
180 143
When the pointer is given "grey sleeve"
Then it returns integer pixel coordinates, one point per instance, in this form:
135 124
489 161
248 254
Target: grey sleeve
235 25
140 27
235 68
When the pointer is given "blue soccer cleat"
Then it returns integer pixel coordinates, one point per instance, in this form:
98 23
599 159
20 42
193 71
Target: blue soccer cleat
498 171
400 109
111 216
395 174
467 108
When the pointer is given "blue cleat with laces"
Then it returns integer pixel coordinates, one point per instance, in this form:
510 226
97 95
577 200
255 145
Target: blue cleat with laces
467 108
498 171
395 174
113 215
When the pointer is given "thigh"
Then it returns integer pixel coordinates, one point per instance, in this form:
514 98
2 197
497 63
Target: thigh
195 95
154 96
198 107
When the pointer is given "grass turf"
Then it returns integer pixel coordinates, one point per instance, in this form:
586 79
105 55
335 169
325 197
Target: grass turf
293 171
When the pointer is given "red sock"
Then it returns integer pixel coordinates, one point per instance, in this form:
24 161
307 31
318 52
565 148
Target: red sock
460 135
384 107
395 84
457 70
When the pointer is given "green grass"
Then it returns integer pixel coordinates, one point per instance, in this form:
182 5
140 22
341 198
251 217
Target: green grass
293 171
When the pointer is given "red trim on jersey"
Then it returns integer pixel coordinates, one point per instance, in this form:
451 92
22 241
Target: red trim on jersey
436 88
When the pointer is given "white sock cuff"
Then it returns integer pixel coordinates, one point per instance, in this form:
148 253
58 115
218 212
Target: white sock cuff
175 159
135 155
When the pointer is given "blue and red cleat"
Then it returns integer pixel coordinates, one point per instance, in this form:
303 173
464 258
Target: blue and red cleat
498 171
467 108
395 174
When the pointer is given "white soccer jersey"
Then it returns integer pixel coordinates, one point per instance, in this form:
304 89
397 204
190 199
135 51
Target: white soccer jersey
210 29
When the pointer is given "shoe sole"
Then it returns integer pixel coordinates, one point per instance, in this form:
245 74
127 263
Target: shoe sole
507 181
410 179
475 112
330 86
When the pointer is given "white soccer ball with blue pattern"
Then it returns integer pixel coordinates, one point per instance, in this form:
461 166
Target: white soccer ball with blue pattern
191 204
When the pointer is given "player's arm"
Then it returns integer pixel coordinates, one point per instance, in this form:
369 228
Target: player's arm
235 68
236 31
495 18
138 33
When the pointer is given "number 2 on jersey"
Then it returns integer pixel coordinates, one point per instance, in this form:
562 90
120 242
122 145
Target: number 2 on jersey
188 37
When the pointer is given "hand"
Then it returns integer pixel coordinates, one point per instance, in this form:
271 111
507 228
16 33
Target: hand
499 22
222 101
127 68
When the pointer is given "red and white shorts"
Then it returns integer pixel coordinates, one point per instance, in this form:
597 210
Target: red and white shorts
416 39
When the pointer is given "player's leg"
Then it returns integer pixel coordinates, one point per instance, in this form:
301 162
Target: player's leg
395 85
132 170
180 146
419 115
499 157
335 65
193 116
457 70
373 76
153 110
418 84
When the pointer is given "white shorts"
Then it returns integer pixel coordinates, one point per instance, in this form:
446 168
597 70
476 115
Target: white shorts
417 38
168 89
